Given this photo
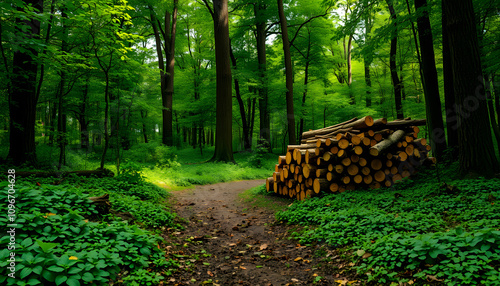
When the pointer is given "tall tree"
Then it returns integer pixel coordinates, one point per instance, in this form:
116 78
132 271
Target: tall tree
165 51
290 115
22 95
430 80
449 92
261 36
476 152
392 61
368 57
224 107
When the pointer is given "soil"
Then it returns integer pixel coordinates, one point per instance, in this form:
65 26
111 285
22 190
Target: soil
229 241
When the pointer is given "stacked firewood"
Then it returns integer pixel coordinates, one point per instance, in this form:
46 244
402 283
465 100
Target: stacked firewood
358 153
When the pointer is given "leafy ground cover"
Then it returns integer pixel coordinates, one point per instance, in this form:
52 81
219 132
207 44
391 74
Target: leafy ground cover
64 239
420 231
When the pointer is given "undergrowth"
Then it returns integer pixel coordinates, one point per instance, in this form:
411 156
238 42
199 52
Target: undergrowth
420 231
62 239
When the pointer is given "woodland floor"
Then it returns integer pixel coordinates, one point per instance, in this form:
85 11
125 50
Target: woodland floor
229 241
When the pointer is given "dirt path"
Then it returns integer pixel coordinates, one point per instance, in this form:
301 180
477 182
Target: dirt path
229 242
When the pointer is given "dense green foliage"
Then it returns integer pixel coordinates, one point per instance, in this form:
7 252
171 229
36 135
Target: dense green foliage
63 239
413 231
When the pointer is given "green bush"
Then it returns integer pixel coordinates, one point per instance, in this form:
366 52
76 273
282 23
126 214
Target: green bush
416 230
57 244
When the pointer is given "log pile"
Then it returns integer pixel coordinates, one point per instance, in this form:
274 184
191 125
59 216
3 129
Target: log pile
358 153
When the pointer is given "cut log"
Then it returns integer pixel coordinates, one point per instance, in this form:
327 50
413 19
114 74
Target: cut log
269 184
358 150
346 161
368 179
339 169
308 170
353 169
331 176
321 173
384 144
362 162
334 187
379 176
358 179
320 184
376 164
282 160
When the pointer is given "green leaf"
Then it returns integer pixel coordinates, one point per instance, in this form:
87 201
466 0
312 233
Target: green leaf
55 268
37 269
46 246
360 252
87 277
25 272
73 282
27 242
34 281
61 279
145 251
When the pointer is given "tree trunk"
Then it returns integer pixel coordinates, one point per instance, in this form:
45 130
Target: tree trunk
289 75
166 64
224 108
264 121
247 143
106 115
352 97
22 96
392 63
430 79
449 92
476 152
306 81
144 114
367 59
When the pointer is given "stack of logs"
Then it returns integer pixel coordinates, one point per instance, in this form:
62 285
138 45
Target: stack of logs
358 153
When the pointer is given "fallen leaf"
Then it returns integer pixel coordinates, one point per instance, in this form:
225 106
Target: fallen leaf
342 282
366 255
244 268
73 258
263 246
297 259
210 273
433 278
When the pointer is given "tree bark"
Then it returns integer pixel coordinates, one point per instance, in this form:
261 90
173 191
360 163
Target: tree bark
264 121
22 96
224 109
392 63
430 79
247 142
288 74
449 92
166 64
476 152
367 60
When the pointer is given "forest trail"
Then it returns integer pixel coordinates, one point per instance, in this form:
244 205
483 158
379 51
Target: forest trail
230 242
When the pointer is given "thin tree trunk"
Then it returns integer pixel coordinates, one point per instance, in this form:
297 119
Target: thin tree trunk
247 143
367 61
392 63
289 75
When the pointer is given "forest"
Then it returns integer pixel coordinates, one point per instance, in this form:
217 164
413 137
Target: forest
112 109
